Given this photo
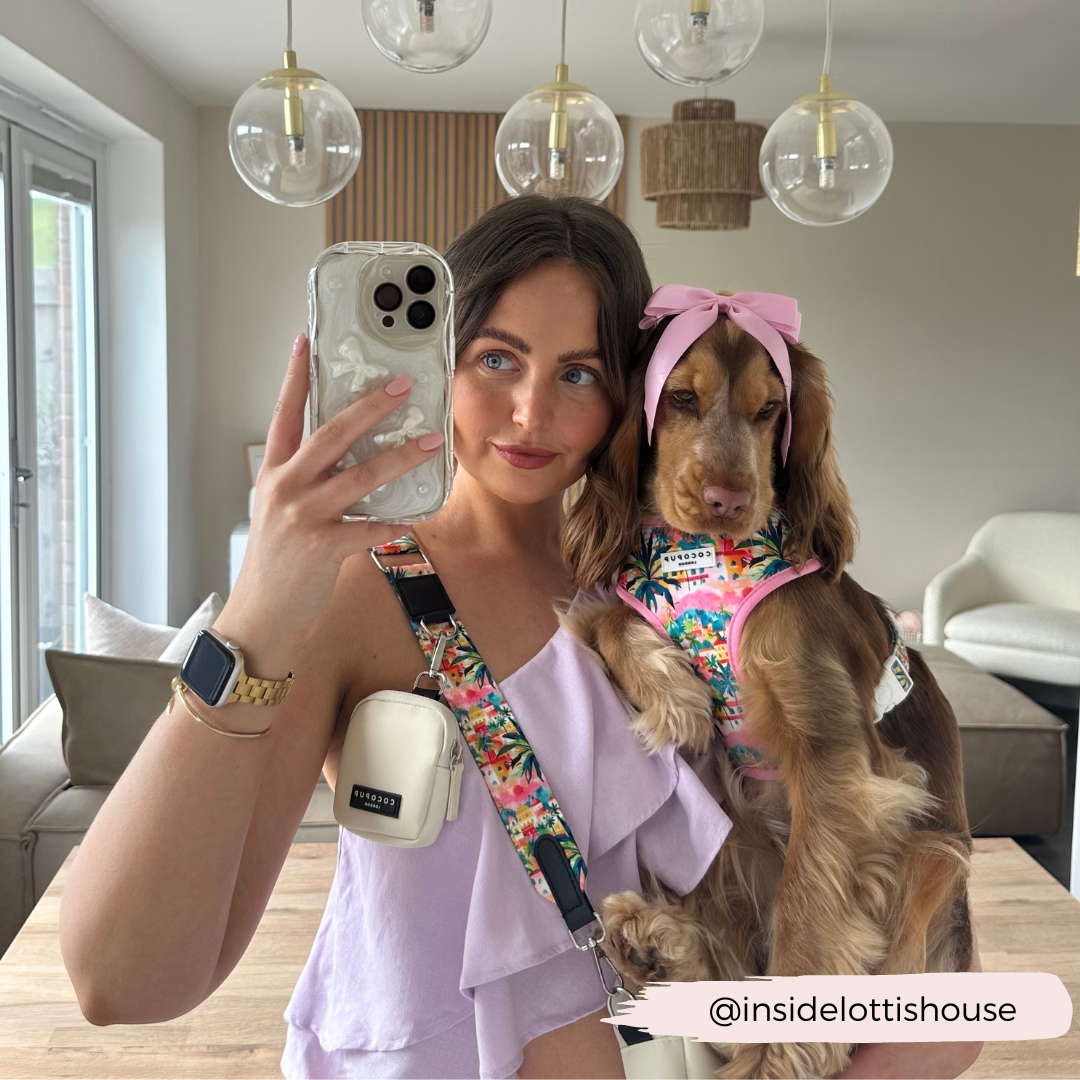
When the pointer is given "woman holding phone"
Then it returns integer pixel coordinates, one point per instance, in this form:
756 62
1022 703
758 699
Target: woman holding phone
438 961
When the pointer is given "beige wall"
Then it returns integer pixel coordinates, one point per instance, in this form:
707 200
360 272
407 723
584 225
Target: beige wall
253 263
64 54
945 315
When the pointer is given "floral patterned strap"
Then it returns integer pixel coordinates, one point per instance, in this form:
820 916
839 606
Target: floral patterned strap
404 545
528 809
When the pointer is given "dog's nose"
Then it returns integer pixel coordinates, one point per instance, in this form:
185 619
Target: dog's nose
724 503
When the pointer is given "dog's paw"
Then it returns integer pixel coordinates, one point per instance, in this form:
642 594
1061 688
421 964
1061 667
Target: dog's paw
782 1061
675 706
651 941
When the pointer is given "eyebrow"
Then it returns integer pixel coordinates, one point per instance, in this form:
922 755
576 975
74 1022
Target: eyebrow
522 346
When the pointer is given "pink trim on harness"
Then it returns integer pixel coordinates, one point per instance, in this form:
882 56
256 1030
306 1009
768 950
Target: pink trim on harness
702 609
755 598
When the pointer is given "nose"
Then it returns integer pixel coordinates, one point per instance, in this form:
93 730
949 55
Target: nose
725 503
533 404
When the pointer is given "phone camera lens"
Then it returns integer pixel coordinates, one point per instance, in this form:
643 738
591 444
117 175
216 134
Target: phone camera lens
420 279
420 315
388 297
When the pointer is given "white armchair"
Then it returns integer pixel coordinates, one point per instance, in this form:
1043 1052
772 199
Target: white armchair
1011 605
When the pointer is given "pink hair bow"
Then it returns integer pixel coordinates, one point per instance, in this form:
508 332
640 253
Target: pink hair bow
771 318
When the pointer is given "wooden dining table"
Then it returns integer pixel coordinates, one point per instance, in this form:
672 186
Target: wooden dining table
1025 921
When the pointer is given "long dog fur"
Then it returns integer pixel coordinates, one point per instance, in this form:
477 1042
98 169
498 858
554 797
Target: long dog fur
856 861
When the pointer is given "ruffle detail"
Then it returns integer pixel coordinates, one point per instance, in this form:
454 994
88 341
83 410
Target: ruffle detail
415 941
607 788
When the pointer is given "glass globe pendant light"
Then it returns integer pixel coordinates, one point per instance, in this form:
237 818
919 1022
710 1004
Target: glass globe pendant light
698 42
828 158
293 138
560 138
427 35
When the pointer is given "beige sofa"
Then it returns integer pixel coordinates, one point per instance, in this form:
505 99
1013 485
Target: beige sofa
1014 754
43 815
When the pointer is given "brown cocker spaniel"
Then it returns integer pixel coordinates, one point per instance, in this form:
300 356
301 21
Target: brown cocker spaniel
856 859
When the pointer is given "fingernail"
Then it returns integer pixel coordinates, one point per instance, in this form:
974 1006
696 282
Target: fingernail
398 386
298 344
429 442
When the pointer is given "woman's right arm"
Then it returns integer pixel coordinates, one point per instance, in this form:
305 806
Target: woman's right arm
173 875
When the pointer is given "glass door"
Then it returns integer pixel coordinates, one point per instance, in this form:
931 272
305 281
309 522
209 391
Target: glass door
8 682
54 473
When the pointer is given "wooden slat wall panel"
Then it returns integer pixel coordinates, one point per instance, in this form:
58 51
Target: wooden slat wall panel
425 176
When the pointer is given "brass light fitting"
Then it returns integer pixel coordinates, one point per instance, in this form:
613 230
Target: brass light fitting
295 79
558 126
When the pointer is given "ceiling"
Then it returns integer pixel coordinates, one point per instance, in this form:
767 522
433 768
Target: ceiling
921 60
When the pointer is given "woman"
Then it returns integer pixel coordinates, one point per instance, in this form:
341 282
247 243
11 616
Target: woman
440 961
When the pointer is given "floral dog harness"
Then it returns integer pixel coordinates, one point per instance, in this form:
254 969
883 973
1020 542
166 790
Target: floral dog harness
697 590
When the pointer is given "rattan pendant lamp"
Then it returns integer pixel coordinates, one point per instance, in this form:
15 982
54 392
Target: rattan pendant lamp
701 170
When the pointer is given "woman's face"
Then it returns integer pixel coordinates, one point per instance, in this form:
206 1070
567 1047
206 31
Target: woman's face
530 404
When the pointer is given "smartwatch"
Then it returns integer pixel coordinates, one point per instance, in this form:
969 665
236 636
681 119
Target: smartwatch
214 671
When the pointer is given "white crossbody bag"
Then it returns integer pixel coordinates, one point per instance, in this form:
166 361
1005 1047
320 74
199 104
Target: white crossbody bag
400 773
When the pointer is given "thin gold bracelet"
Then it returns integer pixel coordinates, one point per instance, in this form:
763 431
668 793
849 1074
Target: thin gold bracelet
179 688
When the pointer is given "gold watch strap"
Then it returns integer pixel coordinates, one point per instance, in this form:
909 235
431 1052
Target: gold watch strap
252 691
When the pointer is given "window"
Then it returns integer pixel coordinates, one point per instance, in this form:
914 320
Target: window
49 548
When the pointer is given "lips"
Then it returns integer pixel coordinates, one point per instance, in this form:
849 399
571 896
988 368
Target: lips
525 457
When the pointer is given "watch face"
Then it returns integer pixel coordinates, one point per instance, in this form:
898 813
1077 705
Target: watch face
208 667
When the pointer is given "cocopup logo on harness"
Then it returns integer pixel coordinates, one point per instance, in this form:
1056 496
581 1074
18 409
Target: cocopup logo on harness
386 803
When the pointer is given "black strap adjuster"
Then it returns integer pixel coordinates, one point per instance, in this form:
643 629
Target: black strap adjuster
566 890
424 598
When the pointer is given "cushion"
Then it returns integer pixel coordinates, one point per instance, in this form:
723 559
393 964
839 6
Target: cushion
1031 664
109 704
112 632
202 619
1013 750
1022 626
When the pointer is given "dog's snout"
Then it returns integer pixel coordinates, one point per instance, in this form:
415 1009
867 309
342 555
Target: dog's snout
724 503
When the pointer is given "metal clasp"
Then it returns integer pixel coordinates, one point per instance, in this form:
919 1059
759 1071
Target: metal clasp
592 941
612 982
455 626
433 671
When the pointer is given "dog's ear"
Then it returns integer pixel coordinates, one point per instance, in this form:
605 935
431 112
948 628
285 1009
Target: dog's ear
602 523
816 503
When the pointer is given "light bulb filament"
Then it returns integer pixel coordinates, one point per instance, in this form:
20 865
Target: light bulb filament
826 140
427 16
699 21
558 127
294 116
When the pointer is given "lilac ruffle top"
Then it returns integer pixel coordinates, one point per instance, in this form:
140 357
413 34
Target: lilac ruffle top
444 961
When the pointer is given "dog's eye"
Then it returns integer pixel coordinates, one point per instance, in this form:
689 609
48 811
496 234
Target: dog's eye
683 398
766 410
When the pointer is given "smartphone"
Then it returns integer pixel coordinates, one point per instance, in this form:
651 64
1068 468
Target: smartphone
377 311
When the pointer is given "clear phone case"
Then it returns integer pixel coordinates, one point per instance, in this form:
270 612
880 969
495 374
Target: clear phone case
361 340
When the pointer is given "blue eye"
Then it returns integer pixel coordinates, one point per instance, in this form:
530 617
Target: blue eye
581 376
485 357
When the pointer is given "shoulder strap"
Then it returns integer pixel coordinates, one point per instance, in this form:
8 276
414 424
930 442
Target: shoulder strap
534 822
